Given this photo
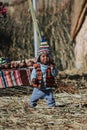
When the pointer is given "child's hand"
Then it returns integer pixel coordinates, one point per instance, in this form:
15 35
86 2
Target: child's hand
52 66
54 70
36 65
34 80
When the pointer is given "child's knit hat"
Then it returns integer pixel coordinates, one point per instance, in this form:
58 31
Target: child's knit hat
44 47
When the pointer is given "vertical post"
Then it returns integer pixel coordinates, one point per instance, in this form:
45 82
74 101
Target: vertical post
35 31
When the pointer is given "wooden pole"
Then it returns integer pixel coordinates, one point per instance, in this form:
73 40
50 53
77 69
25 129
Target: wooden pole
37 35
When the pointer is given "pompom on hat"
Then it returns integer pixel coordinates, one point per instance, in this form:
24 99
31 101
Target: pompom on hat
44 47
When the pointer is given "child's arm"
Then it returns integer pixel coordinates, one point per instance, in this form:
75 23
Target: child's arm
33 76
54 70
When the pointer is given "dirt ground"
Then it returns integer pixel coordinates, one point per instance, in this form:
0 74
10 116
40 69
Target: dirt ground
69 114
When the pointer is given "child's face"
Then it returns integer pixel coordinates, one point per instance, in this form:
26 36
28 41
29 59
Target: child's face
44 59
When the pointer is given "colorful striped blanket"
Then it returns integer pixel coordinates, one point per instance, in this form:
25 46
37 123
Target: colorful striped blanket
15 77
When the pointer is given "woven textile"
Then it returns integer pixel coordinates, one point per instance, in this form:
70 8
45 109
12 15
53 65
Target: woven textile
19 77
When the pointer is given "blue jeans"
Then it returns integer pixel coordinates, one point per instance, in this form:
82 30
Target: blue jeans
42 94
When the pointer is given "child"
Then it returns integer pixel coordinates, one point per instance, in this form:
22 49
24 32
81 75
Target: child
22 64
30 63
7 64
42 77
14 65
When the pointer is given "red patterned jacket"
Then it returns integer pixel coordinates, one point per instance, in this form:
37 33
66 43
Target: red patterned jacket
49 78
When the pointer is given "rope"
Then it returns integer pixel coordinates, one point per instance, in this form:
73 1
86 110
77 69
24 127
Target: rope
34 18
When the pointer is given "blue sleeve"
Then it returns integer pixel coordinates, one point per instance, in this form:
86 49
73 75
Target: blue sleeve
54 71
33 74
